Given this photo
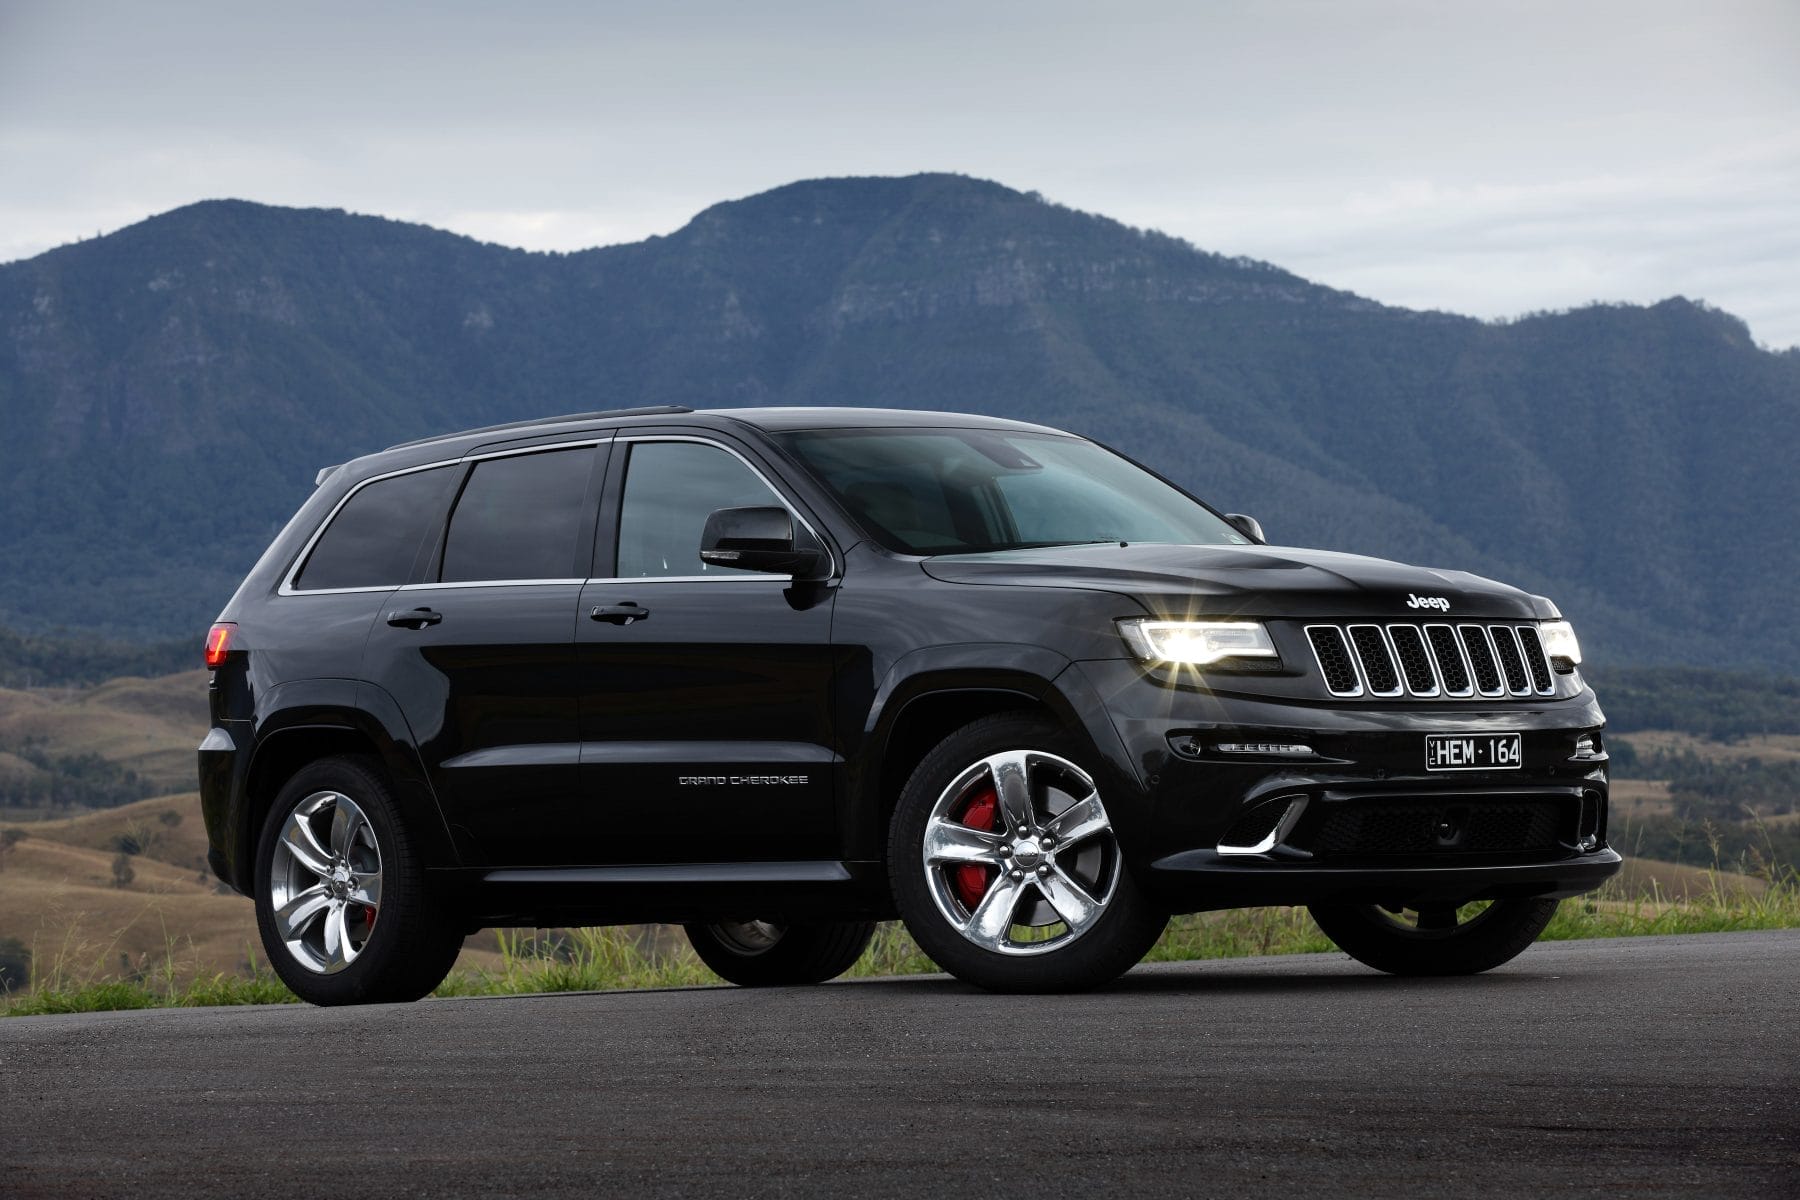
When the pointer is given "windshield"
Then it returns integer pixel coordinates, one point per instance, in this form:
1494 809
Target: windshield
965 491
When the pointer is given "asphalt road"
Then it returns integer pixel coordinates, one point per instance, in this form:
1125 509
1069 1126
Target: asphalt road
1648 1066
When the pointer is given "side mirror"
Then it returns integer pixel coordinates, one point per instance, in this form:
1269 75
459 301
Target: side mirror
1247 525
760 539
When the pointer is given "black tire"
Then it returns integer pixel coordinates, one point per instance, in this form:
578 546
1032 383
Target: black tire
1125 922
408 943
763 954
1377 938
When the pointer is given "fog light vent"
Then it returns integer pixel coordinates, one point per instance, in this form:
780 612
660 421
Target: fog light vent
1261 828
1592 822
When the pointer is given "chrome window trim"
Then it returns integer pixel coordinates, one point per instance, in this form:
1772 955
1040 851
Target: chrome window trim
778 493
287 587
1462 652
1344 640
1437 684
1362 667
285 590
486 583
744 577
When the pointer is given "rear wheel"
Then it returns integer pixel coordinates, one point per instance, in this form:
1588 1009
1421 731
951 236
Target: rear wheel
340 892
1005 865
1446 940
768 954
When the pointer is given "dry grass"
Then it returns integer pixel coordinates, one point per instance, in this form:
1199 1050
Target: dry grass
1674 882
1770 747
1631 798
58 897
150 726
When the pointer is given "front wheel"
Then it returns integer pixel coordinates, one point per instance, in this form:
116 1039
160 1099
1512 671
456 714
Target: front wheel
1445 940
768 954
1006 868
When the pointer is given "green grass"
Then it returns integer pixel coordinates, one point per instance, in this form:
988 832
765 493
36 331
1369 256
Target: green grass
577 960
607 959
212 991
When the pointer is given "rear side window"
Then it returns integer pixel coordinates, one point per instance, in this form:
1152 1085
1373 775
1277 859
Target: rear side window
375 537
520 518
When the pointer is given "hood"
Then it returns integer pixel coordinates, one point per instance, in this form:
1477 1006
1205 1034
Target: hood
1265 581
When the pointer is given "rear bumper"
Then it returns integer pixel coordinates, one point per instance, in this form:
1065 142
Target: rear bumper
223 763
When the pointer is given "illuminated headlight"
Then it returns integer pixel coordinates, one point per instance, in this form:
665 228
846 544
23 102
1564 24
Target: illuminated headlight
1196 643
1559 640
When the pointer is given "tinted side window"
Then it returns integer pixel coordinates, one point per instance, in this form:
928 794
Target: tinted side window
376 534
670 490
520 518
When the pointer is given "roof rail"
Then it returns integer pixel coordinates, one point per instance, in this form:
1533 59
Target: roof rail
568 418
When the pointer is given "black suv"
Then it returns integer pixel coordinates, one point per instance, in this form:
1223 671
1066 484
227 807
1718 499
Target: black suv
778 674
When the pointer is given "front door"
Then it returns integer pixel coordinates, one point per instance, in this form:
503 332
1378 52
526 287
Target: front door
705 692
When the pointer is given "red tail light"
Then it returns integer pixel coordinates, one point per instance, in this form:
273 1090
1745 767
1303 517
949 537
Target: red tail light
218 643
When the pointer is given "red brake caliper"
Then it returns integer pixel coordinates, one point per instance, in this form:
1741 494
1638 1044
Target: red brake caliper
971 880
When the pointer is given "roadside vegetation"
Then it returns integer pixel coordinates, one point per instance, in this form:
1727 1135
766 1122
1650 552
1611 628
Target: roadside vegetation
1642 901
106 907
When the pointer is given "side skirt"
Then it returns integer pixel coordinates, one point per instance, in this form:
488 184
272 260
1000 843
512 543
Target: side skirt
792 892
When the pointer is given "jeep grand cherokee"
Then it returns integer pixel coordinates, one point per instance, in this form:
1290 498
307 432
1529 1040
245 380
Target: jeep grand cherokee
779 674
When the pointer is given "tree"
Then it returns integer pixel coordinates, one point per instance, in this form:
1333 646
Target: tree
122 872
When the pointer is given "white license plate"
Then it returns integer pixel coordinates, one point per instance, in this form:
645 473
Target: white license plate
1473 752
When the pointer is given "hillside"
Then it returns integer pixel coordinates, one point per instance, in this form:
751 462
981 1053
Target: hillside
69 748
62 897
169 391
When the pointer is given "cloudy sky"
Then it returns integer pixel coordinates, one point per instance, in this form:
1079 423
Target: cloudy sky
1489 157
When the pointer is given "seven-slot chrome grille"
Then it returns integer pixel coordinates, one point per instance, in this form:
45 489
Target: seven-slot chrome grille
1451 661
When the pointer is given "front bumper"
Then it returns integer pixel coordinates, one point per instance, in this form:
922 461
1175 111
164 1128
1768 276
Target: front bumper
1365 819
1198 879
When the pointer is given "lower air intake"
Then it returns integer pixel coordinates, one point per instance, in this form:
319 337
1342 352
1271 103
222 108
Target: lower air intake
1382 828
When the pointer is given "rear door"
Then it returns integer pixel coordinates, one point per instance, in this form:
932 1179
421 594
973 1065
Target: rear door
480 653
340 584
705 691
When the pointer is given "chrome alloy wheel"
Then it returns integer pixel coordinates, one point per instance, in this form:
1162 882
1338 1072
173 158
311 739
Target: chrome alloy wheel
1019 854
325 882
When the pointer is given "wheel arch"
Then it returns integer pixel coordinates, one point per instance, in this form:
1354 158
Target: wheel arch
289 740
926 706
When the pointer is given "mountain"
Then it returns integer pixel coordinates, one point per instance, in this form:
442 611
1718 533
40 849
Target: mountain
169 391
